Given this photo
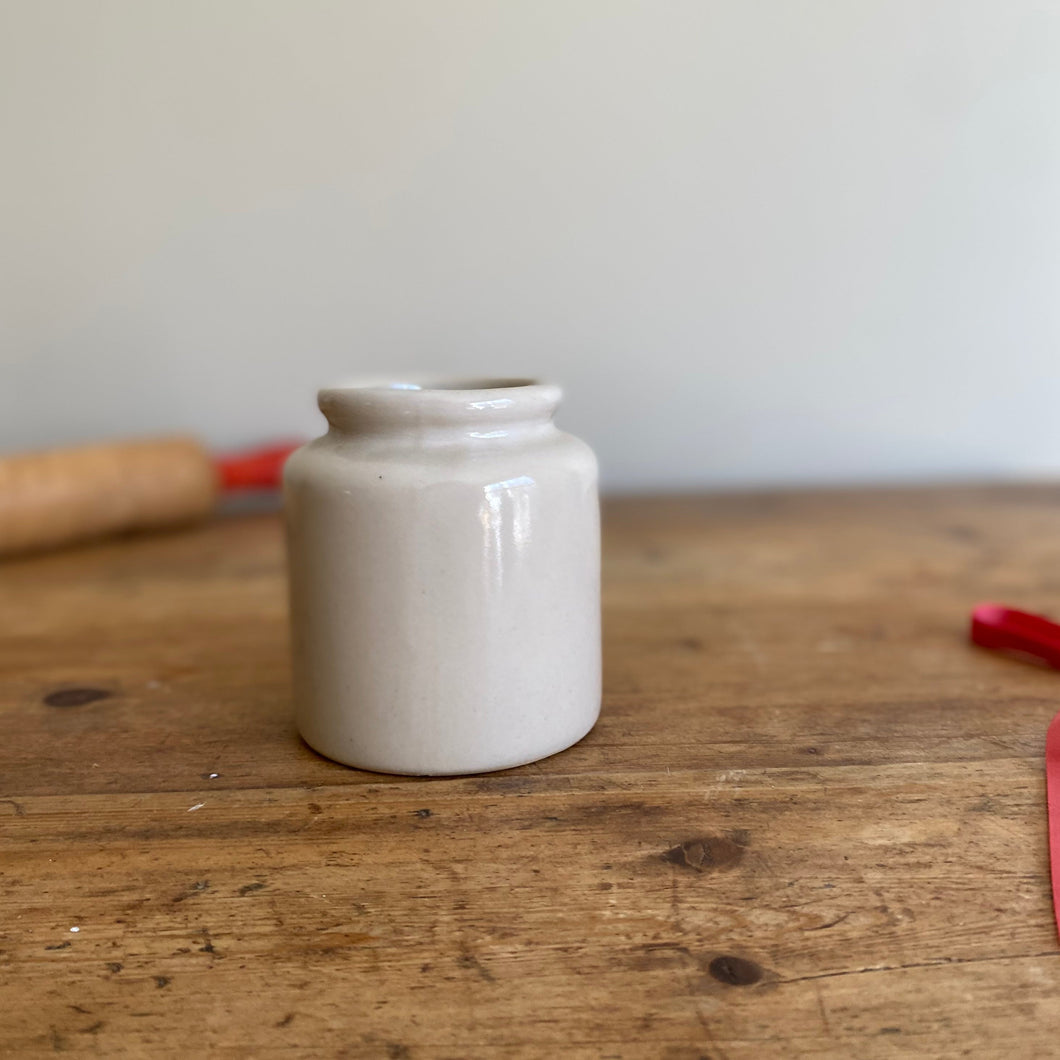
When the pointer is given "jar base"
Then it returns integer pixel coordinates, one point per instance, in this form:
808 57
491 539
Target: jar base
500 763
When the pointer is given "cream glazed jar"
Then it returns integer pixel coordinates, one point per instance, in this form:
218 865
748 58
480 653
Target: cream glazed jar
444 556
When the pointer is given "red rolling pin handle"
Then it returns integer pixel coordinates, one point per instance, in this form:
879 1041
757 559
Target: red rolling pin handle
257 469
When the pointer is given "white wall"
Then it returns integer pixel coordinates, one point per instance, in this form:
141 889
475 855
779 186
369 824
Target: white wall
758 240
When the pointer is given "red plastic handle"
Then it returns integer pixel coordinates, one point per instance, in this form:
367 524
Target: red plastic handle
255 469
1035 636
1052 784
1017 633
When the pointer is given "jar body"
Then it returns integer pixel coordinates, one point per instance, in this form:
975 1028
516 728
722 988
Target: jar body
445 599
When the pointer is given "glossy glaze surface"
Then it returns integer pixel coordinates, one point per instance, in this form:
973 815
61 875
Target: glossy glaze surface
443 546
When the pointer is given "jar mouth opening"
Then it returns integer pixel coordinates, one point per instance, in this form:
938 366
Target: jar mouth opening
432 384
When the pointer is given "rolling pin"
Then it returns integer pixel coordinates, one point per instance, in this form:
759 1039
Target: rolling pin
61 496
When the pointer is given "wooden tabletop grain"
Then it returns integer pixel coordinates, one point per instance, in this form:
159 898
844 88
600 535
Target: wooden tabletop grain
810 823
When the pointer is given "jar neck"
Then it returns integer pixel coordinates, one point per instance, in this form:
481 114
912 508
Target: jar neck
472 412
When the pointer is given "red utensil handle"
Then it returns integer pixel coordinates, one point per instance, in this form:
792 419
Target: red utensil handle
260 468
1021 633
1016 632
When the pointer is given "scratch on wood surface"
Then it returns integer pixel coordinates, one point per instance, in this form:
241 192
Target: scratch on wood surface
675 905
831 923
824 1013
469 961
938 963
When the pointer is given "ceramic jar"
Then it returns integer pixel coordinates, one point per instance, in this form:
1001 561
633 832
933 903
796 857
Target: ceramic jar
443 545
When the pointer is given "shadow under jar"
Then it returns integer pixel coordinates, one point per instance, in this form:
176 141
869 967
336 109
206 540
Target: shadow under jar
444 558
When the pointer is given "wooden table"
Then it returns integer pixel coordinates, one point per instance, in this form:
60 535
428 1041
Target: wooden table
811 820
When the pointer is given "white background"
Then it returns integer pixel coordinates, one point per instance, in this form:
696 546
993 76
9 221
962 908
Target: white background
760 241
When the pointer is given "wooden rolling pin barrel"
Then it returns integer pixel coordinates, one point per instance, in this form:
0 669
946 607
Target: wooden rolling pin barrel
61 496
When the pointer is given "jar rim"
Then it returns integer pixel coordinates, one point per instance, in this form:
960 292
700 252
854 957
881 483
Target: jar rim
440 401
434 384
